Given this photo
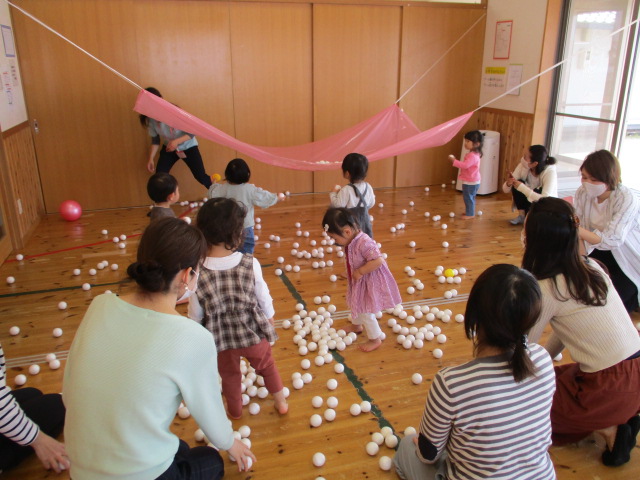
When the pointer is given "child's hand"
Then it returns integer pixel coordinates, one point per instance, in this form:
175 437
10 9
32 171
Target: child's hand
242 455
272 322
452 158
356 275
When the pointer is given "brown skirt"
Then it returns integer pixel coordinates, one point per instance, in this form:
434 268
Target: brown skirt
585 402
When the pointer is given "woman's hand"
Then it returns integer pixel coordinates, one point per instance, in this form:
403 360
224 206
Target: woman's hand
51 453
510 179
241 453
151 166
172 145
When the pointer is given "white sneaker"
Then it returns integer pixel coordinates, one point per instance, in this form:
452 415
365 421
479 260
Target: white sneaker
517 221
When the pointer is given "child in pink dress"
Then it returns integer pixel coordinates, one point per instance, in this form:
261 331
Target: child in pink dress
371 286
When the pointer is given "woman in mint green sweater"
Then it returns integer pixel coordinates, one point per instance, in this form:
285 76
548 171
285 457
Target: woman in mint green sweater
134 359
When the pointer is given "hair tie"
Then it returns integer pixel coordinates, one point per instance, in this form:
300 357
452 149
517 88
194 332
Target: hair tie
524 341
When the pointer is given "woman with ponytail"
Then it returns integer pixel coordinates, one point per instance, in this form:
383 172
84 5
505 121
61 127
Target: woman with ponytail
489 418
134 359
601 391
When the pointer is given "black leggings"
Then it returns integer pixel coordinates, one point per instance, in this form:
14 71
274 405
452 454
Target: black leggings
46 411
193 159
198 463
627 290
520 200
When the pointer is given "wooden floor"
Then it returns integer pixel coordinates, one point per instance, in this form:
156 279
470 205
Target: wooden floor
284 446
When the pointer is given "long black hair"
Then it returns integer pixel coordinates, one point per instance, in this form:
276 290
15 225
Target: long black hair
475 136
144 120
504 304
540 154
552 249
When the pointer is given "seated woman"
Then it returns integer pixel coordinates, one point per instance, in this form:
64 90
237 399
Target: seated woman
27 418
601 391
131 363
609 214
489 418
534 177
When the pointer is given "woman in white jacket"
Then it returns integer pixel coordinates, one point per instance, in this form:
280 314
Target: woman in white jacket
534 177
610 223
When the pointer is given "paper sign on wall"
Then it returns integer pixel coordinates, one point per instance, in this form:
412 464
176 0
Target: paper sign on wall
494 77
514 78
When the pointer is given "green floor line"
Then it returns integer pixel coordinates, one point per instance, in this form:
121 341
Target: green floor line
292 289
357 384
61 289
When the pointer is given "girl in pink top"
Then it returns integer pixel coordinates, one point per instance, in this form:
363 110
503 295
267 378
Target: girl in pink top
470 170
371 286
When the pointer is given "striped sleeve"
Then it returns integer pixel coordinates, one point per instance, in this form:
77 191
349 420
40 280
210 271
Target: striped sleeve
14 424
438 417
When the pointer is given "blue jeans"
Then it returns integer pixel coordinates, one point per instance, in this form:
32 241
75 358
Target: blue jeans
249 241
469 195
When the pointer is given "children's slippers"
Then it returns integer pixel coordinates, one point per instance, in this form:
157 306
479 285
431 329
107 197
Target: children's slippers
621 452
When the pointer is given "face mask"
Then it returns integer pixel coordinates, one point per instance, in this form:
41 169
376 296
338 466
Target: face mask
594 190
524 163
188 292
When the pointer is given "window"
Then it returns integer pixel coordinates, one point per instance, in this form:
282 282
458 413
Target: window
592 86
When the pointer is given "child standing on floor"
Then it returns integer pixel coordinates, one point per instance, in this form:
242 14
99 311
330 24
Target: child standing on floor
371 286
237 174
470 170
163 190
358 195
234 304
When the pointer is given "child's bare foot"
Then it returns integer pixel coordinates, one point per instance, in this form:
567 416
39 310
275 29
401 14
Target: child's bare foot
467 217
235 418
281 404
353 328
371 345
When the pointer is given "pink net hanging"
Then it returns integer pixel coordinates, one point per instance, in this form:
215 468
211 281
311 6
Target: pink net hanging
388 133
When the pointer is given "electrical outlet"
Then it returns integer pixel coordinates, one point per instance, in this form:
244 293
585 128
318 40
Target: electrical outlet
19 202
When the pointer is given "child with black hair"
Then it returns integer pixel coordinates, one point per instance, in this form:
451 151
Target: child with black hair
237 175
163 190
371 286
359 197
470 171
489 418
234 304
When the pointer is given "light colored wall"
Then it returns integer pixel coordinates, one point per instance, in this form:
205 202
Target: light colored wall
526 48
12 106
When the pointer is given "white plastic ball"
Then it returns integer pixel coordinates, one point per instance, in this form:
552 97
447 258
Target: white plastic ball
445 244
444 226
183 412
557 358
480 212
54 364
448 294
381 205
122 245
278 272
365 406
338 367
372 448
355 409
416 378
307 377
377 438
11 280
57 332
332 402
13 331
385 463
462 271
442 338
426 189
332 384
443 185
329 414
298 383
86 287
318 459
437 353
62 305
391 441
404 211
459 318
34 369
315 420
254 408
427 214
451 214
411 290
19 257
317 401
76 271
392 229
50 356
326 299
412 244
386 431
20 379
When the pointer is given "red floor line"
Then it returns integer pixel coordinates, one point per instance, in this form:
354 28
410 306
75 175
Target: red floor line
77 247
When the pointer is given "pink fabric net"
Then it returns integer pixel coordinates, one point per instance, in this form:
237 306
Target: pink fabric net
386 134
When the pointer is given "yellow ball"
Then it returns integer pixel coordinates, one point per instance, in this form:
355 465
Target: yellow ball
449 273
216 177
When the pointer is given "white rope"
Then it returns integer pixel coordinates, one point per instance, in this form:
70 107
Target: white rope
441 57
551 68
77 46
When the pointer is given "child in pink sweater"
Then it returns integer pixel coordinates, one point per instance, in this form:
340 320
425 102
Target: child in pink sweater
470 170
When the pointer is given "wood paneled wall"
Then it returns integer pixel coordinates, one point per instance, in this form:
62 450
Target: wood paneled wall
20 184
515 135
274 74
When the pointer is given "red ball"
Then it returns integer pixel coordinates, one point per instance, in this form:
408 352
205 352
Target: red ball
70 210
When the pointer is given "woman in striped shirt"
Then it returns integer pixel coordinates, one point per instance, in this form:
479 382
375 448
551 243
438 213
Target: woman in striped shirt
489 418
25 415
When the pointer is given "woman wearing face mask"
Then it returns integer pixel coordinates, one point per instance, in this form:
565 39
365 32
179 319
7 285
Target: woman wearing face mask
600 392
610 223
134 359
534 177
